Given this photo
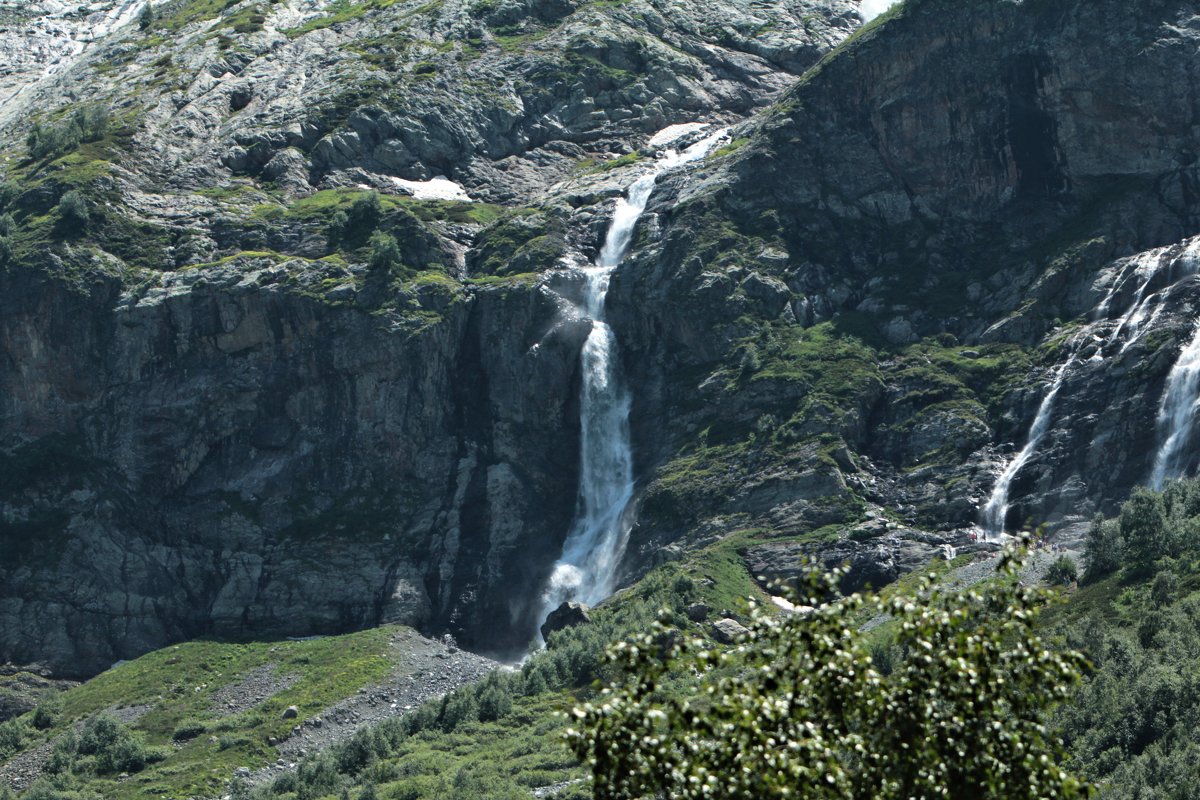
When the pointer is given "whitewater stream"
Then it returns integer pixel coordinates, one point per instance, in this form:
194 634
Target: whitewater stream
587 569
1180 403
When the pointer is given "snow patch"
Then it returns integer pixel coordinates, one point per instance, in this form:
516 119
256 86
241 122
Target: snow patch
433 189
870 9
673 133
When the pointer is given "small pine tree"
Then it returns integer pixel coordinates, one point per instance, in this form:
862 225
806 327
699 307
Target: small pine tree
7 224
146 18
385 251
5 250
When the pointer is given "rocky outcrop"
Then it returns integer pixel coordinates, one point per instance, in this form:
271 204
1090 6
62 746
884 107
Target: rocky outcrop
223 455
567 615
220 413
877 282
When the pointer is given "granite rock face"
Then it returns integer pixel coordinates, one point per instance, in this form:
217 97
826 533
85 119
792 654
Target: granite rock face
882 282
219 418
238 399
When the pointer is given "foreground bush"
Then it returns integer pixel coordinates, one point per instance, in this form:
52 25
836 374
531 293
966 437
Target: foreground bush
800 710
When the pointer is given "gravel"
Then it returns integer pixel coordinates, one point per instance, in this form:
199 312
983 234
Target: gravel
425 670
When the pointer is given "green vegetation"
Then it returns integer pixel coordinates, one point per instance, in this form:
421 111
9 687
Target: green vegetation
1132 726
167 745
731 147
591 166
337 12
52 139
518 242
800 709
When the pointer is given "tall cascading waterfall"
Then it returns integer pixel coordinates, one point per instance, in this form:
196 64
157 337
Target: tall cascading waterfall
1181 400
996 509
1177 414
1180 403
587 569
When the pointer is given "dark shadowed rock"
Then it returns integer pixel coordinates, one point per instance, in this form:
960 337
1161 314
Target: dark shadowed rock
567 615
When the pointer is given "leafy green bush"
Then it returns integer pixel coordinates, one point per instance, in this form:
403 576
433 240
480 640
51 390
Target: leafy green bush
1062 571
52 139
103 746
800 711
13 735
47 712
73 210
385 252
353 227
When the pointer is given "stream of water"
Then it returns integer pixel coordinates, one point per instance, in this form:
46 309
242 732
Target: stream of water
587 569
1181 401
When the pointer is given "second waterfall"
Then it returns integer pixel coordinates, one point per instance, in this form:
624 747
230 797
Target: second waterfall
587 569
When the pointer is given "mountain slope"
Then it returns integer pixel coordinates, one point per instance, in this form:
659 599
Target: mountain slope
884 281
218 418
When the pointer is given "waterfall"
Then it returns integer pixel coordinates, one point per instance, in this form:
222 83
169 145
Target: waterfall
587 569
997 505
1177 413
1181 401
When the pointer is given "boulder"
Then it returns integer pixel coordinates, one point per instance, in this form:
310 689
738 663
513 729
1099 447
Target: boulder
728 631
567 615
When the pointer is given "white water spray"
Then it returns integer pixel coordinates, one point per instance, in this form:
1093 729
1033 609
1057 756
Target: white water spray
587 569
997 505
1177 414
1181 402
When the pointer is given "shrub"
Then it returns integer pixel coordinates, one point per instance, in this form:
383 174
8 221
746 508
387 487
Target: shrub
1062 571
48 712
385 252
457 709
187 730
353 227
52 139
495 701
146 17
799 711
6 250
13 735
73 210
7 224
103 743
1164 588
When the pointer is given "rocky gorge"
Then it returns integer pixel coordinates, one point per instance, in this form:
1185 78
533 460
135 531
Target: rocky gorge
226 409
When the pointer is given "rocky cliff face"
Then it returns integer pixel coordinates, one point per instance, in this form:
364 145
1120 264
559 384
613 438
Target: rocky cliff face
218 417
226 409
883 280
